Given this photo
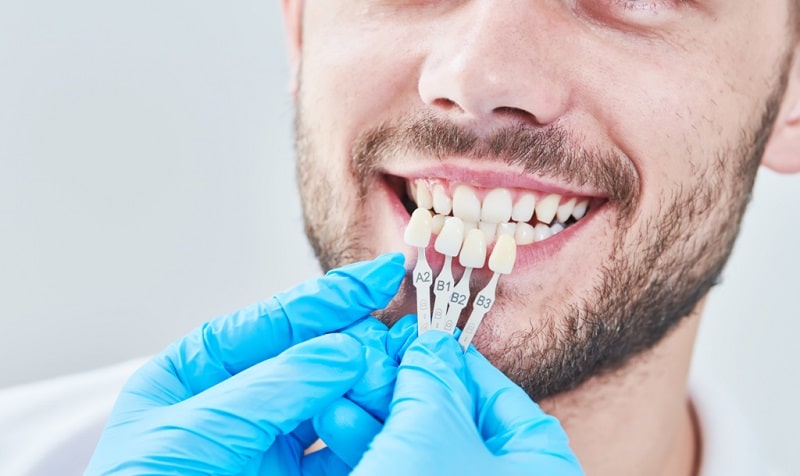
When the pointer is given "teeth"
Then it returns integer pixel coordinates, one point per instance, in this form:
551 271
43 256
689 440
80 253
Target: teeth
503 255
450 238
506 229
473 253
547 207
418 231
528 219
466 204
488 229
423 196
580 209
437 223
523 209
565 210
441 202
496 206
541 232
524 234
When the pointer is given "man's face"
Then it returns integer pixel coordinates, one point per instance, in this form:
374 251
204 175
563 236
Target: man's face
653 112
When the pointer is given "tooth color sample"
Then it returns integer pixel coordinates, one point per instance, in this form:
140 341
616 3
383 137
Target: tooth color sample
451 237
503 255
418 231
473 251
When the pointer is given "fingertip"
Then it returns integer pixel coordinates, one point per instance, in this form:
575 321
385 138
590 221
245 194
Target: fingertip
432 346
347 429
400 337
396 258
379 279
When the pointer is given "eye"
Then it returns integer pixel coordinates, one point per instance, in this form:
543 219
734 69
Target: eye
631 12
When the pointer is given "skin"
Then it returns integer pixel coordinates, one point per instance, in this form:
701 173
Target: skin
678 97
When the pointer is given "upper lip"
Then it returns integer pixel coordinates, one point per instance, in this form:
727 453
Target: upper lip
489 175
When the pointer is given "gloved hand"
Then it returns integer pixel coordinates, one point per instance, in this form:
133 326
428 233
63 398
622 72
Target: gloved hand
451 414
350 423
229 398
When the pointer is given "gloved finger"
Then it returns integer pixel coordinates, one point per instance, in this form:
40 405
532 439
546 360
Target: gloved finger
305 434
230 344
242 416
430 394
373 392
324 462
511 423
347 429
400 337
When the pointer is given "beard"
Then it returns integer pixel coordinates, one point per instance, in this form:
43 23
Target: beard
660 266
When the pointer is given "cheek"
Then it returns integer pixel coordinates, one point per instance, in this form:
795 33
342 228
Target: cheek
355 77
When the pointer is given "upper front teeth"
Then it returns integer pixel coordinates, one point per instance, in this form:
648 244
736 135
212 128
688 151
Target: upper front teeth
497 206
527 217
466 204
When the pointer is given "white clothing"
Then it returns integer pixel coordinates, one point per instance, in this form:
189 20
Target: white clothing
51 428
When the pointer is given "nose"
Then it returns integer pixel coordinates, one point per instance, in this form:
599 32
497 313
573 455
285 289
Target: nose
496 58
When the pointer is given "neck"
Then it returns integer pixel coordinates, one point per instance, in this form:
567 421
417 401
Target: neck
638 420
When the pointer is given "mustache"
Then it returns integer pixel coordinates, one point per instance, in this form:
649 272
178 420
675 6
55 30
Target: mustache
549 151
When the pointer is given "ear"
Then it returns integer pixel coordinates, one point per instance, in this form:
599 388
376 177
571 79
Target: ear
783 148
293 22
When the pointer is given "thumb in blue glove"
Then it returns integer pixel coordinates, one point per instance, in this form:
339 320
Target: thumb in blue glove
457 414
229 398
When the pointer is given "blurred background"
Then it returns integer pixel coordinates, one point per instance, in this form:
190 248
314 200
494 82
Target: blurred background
147 185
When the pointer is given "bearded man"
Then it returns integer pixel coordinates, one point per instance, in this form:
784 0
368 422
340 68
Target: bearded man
646 120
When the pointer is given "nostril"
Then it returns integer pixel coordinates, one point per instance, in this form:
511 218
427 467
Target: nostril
517 113
446 104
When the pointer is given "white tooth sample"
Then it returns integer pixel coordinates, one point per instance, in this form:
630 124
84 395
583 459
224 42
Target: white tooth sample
496 206
501 262
541 232
546 208
524 234
441 202
580 209
451 237
473 251
437 223
449 244
424 198
469 226
503 255
506 229
488 229
466 204
565 210
473 255
523 209
556 228
418 231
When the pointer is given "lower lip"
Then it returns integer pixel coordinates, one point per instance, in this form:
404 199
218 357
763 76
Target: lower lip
528 256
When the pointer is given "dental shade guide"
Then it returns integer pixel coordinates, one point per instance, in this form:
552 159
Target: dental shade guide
448 243
418 234
500 262
473 255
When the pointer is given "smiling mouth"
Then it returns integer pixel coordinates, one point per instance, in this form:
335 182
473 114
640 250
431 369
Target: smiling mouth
530 216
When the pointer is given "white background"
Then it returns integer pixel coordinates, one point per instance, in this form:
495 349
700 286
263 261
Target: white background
147 185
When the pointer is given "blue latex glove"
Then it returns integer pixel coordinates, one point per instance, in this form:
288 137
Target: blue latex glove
229 398
451 414
349 424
